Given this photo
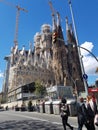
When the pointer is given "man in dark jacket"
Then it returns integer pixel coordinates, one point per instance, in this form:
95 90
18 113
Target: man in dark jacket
92 109
82 115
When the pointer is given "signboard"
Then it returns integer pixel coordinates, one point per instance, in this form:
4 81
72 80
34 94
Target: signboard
60 91
65 91
85 76
92 89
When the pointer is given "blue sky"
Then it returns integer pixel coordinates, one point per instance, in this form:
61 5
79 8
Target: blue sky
39 13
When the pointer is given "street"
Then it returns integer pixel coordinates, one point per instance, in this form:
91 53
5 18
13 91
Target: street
12 120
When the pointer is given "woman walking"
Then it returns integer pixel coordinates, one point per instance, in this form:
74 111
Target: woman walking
65 114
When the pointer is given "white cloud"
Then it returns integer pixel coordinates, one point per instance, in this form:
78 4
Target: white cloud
90 63
89 46
1 74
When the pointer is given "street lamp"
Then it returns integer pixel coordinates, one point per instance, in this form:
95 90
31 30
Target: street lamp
75 85
74 82
79 53
76 89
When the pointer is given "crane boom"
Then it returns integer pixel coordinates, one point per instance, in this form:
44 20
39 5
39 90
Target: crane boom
19 8
53 16
52 9
17 18
17 23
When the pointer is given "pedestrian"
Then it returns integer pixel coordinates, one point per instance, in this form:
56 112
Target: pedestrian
65 114
93 104
82 115
92 109
96 119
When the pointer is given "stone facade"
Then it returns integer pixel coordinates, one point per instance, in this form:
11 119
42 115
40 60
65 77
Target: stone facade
51 63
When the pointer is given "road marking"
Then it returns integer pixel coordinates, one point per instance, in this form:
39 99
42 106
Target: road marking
25 116
34 118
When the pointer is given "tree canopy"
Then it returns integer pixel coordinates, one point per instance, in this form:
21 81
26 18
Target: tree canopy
40 90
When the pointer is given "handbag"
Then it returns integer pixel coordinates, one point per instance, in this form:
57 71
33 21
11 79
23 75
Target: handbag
64 110
96 120
63 114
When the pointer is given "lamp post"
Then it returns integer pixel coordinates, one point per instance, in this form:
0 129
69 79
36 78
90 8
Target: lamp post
79 53
74 82
75 85
76 89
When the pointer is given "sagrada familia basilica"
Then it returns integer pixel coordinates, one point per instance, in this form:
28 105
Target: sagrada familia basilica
51 63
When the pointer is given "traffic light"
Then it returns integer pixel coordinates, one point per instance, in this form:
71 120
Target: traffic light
54 37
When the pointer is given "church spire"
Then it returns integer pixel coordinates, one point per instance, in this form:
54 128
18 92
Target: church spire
30 45
54 26
23 52
68 32
67 26
58 19
30 57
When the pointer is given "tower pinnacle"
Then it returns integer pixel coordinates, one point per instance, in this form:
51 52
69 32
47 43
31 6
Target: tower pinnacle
58 19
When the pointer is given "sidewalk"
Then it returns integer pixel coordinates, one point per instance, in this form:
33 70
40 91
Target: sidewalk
56 119
71 120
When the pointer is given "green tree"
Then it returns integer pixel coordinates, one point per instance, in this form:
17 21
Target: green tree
40 90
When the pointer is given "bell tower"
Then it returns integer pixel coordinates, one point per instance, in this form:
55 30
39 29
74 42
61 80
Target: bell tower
73 59
59 55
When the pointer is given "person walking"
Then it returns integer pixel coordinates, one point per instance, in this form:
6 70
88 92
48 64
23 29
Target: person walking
82 115
96 119
92 109
65 114
93 104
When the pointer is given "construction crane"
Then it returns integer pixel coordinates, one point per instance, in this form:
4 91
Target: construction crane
52 9
17 22
17 18
53 14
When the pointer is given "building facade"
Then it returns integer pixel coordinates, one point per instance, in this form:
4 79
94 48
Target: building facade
51 63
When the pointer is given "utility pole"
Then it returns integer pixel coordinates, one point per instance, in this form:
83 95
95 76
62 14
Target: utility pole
79 53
